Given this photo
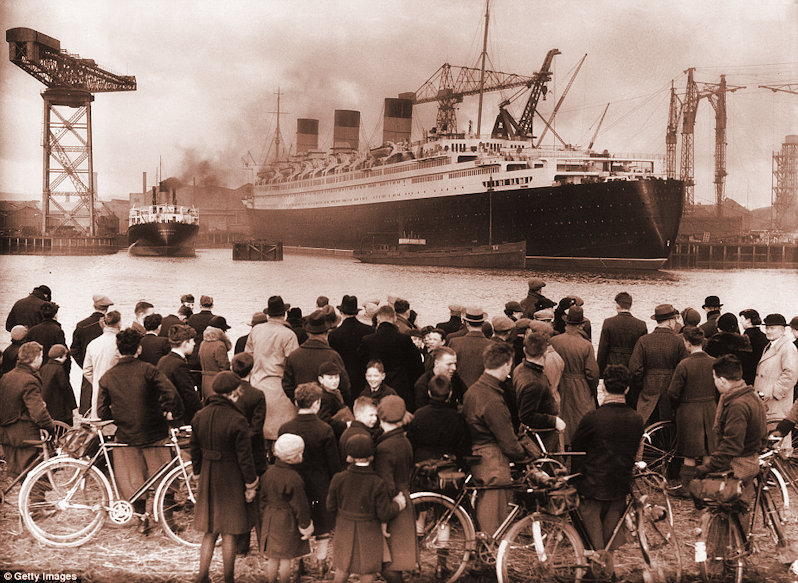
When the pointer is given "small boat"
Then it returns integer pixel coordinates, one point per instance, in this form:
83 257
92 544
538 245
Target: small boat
163 230
414 251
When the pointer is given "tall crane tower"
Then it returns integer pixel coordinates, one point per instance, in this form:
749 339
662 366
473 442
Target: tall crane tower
71 83
785 170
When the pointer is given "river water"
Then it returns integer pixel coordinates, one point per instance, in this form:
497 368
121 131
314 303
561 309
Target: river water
240 288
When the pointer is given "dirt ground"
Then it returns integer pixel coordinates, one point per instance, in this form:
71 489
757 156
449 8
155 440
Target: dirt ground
121 554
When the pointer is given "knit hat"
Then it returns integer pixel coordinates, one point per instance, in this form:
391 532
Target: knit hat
57 351
225 382
391 409
288 445
179 333
329 368
359 446
18 332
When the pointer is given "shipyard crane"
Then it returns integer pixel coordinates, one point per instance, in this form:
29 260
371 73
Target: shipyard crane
784 87
71 82
785 170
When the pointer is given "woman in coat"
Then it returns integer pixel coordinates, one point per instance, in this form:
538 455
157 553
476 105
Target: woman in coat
213 353
393 462
221 454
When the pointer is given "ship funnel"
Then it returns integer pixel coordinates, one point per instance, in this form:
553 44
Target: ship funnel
307 135
346 131
398 120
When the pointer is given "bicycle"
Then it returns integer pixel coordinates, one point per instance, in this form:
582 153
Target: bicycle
723 544
65 501
47 445
555 546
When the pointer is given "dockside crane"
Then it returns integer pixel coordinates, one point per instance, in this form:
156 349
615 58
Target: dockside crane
784 191
71 82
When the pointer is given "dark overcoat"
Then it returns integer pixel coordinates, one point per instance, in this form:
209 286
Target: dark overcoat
537 407
320 462
393 462
47 333
382 391
454 324
438 429
694 397
22 413
167 323
399 356
619 335
85 331
758 344
710 327
740 426
535 301
421 389
345 340
579 381
153 348
355 428
359 500
653 361
57 391
252 403
302 366
10 355
221 454
469 349
175 368
284 508
610 436
25 312
199 322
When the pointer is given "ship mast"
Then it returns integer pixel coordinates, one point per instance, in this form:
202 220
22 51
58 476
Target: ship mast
482 69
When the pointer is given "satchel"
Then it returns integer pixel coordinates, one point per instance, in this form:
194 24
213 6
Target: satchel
720 489
79 442
436 474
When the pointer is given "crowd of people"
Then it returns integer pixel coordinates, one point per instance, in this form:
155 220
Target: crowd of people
309 426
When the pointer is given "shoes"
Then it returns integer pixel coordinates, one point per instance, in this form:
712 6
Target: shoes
145 527
442 572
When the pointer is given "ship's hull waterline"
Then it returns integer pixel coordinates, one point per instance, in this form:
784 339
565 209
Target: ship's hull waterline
620 224
162 239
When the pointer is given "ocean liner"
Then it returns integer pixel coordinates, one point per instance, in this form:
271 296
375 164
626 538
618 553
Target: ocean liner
166 230
573 208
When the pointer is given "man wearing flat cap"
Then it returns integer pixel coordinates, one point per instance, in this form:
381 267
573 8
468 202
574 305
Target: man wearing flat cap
652 364
186 304
777 371
85 331
302 364
535 300
712 308
455 322
345 340
26 311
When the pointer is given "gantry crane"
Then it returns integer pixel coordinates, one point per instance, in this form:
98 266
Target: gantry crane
71 82
686 108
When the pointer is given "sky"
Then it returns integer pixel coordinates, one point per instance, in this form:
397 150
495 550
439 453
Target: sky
208 73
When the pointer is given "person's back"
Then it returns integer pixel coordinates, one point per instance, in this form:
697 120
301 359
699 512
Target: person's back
56 389
469 348
437 429
619 334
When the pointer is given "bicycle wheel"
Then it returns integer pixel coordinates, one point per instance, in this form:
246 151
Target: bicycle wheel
652 487
445 535
63 502
776 485
540 547
725 549
174 504
658 446
659 544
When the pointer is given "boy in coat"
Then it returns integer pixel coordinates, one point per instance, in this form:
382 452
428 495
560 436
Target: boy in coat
359 499
332 400
375 381
286 523
365 423
393 462
437 429
320 459
56 390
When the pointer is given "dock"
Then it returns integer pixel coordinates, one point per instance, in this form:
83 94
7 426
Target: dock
695 255
38 245
257 250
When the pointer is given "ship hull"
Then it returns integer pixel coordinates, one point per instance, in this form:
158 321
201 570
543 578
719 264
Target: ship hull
501 256
624 224
162 239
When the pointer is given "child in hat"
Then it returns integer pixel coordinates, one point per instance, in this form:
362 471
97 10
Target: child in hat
286 525
375 379
393 462
320 461
360 500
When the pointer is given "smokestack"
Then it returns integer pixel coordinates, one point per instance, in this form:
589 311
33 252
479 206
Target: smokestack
346 131
398 120
144 183
307 135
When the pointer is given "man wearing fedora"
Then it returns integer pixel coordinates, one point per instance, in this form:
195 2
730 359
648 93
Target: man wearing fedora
535 300
270 344
345 340
302 365
469 348
579 381
653 361
777 371
712 308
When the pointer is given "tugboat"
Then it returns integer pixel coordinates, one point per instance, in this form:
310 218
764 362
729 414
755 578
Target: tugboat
162 230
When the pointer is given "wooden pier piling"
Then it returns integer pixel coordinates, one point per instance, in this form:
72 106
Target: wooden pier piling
257 250
695 255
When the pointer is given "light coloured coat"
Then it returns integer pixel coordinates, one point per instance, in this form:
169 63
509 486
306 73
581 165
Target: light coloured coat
101 355
776 376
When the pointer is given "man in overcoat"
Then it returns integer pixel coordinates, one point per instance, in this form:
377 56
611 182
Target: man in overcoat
535 300
175 366
302 365
712 308
399 356
653 361
85 331
579 381
619 334
469 348
345 340
751 321
101 355
25 312
270 344
22 409
48 332
444 362
455 321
